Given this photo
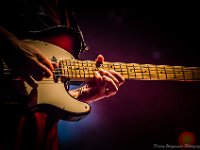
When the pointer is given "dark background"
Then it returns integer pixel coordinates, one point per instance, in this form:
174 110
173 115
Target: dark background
142 113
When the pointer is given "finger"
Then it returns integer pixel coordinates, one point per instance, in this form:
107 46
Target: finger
38 71
111 88
33 52
97 80
119 77
104 72
45 61
43 70
100 59
98 77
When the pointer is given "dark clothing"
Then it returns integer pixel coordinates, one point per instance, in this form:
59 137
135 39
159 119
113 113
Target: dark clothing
38 130
21 17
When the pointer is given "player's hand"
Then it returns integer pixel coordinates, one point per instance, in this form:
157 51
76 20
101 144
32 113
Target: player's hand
28 63
105 84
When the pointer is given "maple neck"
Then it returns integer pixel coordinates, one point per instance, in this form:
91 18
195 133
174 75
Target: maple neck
82 70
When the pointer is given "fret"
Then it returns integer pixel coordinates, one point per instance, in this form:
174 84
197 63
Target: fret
81 73
70 69
125 72
121 69
130 71
68 62
77 69
66 69
74 69
183 73
157 72
64 62
72 63
193 77
188 73
169 72
62 66
113 66
196 72
165 72
84 64
145 71
123 66
153 72
63 71
92 68
83 70
149 72
126 75
178 73
174 72
134 71
161 72
137 71
87 68
141 71
70 76
77 73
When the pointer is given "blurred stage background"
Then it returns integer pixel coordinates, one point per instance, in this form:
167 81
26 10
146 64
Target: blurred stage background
142 113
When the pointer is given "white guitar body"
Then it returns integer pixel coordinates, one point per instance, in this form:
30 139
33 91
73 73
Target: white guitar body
53 97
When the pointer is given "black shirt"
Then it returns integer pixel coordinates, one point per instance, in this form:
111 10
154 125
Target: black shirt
23 16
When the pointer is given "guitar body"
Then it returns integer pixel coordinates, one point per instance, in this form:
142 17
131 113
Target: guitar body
53 97
48 96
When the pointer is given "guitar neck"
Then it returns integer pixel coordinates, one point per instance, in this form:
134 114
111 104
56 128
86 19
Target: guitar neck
82 70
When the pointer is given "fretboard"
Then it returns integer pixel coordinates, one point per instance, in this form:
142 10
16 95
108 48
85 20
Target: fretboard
81 70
